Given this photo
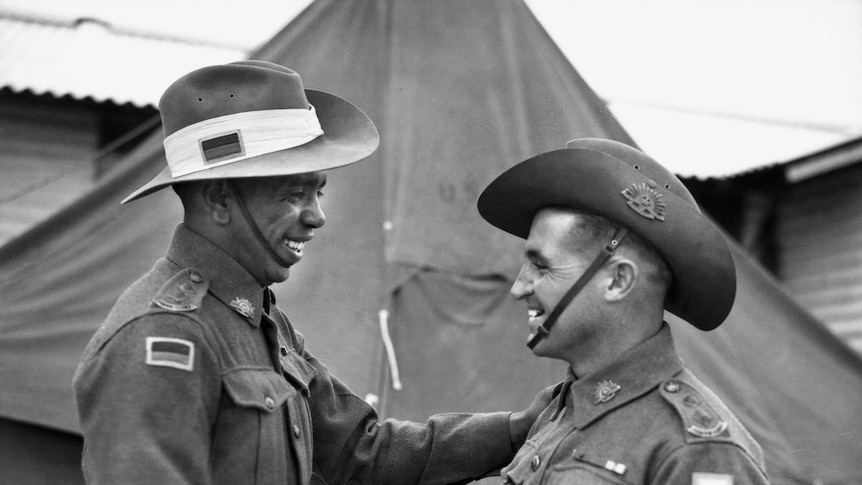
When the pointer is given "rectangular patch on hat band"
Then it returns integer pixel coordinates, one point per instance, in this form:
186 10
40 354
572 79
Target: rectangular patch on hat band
221 147
170 352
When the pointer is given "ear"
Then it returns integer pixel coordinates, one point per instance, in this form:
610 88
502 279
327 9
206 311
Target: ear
215 194
624 276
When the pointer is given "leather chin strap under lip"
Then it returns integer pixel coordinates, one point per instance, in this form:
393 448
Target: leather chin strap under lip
254 229
609 249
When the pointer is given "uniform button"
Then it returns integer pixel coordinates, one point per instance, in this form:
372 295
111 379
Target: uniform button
535 462
270 402
284 351
296 431
195 276
671 386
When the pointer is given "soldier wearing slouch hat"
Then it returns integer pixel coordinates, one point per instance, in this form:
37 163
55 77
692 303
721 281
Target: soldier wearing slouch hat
613 239
197 376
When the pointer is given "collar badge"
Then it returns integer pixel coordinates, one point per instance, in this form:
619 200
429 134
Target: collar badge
645 201
605 391
243 307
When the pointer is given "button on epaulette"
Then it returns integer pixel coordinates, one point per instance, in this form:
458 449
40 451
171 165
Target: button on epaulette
698 417
183 292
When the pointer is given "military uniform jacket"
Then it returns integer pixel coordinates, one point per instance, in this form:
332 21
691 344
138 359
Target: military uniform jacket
196 377
644 419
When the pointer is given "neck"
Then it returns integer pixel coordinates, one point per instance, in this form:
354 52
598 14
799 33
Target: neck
619 334
221 237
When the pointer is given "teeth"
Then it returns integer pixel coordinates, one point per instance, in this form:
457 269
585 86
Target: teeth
295 245
534 314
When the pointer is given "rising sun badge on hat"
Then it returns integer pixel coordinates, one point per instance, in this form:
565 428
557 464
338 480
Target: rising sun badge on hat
645 200
255 119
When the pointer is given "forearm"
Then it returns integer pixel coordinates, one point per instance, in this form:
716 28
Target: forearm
351 444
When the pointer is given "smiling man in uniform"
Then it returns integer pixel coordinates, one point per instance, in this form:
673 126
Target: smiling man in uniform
196 376
613 239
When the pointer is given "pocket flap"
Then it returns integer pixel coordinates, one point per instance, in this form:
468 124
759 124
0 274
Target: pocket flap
520 469
263 389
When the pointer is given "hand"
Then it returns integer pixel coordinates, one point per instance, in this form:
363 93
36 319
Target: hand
520 422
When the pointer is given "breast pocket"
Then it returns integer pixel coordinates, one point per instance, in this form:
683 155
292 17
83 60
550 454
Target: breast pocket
580 475
262 389
252 431
578 470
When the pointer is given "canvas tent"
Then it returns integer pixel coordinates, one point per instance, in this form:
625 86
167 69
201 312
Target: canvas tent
459 91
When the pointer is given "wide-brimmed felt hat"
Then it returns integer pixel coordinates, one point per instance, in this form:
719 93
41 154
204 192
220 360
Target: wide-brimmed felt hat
622 184
255 119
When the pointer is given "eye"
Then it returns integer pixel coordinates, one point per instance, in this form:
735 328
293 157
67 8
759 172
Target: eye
292 196
539 265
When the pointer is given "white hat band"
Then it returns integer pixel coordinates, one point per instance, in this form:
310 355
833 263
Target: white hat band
231 138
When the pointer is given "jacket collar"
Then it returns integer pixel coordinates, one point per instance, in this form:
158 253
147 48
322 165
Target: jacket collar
228 280
636 372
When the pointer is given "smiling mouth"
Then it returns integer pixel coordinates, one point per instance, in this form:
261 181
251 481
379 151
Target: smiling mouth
534 313
294 246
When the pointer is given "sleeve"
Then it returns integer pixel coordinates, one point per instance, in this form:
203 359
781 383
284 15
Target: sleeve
350 444
710 462
147 399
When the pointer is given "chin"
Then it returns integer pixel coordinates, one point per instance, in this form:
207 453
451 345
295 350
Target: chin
539 353
539 349
280 276
545 349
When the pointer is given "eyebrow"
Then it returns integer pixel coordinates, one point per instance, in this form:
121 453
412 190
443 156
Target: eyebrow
535 254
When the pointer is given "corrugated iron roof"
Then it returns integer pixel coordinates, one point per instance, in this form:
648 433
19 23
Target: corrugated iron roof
824 161
60 58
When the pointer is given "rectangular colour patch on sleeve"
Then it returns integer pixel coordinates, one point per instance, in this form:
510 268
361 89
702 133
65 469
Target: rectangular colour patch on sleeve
171 352
711 479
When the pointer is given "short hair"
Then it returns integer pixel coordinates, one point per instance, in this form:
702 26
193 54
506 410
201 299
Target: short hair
599 230
184 191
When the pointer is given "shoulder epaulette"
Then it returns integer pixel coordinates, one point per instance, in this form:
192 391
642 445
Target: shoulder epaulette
700 420
183 292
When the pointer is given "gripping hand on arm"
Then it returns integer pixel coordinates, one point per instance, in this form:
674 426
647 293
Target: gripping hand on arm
520 422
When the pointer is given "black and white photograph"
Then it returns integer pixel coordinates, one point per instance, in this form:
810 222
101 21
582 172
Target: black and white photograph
395 242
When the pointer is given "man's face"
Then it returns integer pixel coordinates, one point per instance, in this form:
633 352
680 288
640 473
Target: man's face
557 252
287 211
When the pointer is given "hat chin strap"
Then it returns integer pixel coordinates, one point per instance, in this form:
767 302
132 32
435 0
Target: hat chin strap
609 249
254 229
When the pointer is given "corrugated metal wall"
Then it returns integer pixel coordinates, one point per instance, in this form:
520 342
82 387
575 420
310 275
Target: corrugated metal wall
820 239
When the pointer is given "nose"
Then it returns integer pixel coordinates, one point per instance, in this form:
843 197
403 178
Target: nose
523 285
312 215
